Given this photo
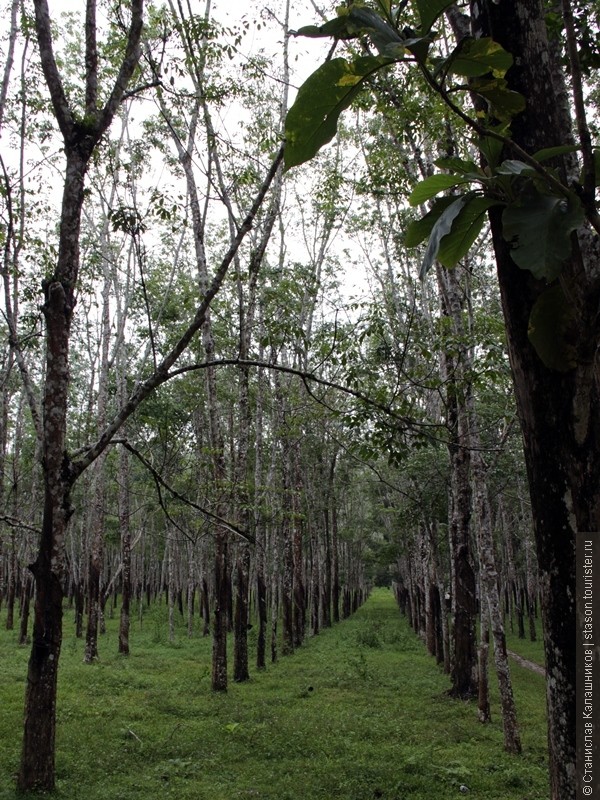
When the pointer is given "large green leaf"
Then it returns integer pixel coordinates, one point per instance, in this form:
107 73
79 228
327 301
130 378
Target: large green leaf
505 104
381 33
551 329
430 10
433 185
512 166
341 27
476 57
539 229
553 152
419 229
465 229
442 228
312 121
356 20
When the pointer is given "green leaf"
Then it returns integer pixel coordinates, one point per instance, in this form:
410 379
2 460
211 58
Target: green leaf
312 121
433 185
551 329
419 229
458 165
514 167
442 228
505 104
476 57
382 34
339 28
465 229
357 20
430 10
491 149
553 152
539 229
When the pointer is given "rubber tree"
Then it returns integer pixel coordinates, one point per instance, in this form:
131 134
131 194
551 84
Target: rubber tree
547 265
557 396
81 131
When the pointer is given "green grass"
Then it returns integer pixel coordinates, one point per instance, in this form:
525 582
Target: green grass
533 651
360 712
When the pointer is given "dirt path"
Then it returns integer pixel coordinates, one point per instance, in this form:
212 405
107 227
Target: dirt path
527 664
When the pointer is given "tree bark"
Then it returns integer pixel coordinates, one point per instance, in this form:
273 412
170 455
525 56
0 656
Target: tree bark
37 768
558 410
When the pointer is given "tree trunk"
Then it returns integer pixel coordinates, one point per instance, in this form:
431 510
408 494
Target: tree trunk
37 770
558 410
125 528
458 390
483 704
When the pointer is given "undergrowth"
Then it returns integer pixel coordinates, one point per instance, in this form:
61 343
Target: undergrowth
361 711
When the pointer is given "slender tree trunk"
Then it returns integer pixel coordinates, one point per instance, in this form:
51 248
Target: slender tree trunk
25 606
464 652
37 768
125 528
490 598
483 705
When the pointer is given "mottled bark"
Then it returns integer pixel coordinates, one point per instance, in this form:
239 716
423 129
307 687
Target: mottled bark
458 390
125 531
559 411
483 700
490 596
37 768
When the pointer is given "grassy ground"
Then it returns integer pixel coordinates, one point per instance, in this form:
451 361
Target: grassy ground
359 712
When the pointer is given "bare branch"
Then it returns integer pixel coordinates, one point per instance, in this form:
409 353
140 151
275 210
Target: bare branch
14 522
585 140
60 103
162 374
128 66
91 60
223 523
308 377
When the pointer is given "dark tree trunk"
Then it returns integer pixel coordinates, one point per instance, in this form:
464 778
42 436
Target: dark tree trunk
205 607
37 770
124 525
287 591
79 597
11 587
559 411
335 569
261 601
483 705
219 656
458 392
25 605
240 649
37 759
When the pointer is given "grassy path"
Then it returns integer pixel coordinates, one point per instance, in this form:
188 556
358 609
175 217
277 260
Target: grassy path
359 712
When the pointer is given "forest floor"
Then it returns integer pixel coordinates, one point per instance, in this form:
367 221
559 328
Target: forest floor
524 662
361 711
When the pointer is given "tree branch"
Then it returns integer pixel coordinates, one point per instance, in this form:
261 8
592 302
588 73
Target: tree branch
308 377
60 103
160 481
128 66
13 522
585 140
162 374
91 60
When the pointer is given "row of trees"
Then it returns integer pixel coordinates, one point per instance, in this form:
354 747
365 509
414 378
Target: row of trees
199 409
